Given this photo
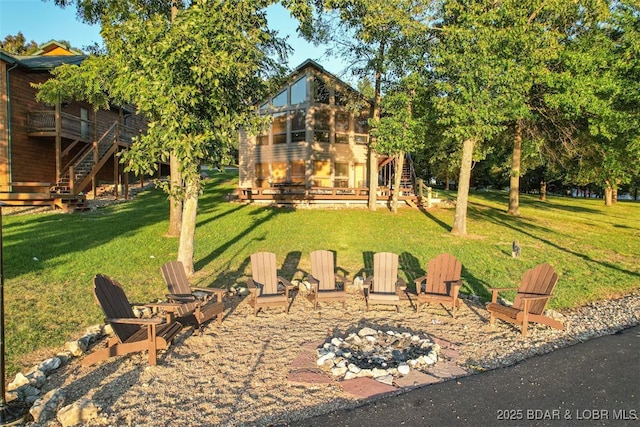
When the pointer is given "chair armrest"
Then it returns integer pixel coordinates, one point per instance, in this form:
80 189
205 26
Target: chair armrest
494 293
218 292
367 282
134 321
313 282
284 281
418 283
169 306
181 297
535 297
342 279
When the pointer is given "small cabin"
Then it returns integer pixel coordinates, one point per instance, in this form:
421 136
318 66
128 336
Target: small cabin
316 147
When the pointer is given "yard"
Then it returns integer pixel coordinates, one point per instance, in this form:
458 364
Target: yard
50 259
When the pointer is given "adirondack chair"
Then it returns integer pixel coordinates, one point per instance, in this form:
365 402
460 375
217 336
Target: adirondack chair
323 280
264 281
131 333
442 282
196 305
384 286
532 297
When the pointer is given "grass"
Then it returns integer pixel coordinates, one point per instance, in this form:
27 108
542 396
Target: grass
50 259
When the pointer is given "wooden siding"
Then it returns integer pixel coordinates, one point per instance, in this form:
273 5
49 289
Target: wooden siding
4 126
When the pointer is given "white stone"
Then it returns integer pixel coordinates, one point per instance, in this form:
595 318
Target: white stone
358 282
403 369
37 378
50 364
412 363
339 371
44 409
77 347
340 363
391 333
94 330
81 411
367 331
346 354
415 338
433 356
377 372
364 373
350 375
336 342
426 360
242 291
19 381
326 357
370 338
354 368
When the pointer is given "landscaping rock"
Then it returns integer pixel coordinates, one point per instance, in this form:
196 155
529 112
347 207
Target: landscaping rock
81 411
44 409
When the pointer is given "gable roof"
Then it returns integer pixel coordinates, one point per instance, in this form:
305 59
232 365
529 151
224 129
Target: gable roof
56 48
41 62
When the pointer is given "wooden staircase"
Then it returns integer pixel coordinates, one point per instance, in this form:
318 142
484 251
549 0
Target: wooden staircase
67 192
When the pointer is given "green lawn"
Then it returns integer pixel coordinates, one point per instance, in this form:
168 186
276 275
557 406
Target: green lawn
49 259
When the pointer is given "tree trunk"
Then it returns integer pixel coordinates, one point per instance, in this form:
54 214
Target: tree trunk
175 200
543 190
460 219
608 194
188 230
514 181
375 114
397 179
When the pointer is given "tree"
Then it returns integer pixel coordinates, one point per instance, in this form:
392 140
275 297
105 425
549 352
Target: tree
18 44
365 32
196 80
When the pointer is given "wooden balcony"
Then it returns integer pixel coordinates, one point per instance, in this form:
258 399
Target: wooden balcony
294 194
43 123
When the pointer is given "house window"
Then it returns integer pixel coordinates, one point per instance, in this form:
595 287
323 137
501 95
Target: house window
360 170
320 91
299 91
342 128
341 98
278 172
280 100
279 128
262 173
298 125
361 128
322 173
321 119
84 123
341 175
298 172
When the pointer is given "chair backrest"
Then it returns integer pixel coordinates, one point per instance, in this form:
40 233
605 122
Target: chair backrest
264 272
176 278
385 272
441 272
322 269
114 304
540 280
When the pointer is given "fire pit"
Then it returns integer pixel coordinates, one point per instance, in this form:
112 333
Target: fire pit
382 355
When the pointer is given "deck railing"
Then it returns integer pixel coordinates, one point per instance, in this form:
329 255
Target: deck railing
70 126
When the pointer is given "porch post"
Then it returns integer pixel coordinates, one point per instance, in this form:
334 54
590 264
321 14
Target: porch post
58 143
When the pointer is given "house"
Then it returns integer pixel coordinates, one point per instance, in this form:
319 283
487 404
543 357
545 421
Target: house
316 148
54 154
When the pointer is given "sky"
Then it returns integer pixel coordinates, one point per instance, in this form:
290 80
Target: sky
44 21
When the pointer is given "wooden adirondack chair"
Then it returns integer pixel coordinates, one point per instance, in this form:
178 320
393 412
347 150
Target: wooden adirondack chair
323 280
192 307
532 297
384 286
264 281
442 282
131 333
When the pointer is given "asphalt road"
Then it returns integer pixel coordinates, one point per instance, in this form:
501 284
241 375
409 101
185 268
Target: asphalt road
593 383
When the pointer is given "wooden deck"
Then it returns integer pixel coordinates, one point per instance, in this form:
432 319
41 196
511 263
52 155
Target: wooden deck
284 194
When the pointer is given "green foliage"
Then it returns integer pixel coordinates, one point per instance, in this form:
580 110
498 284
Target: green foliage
18 45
